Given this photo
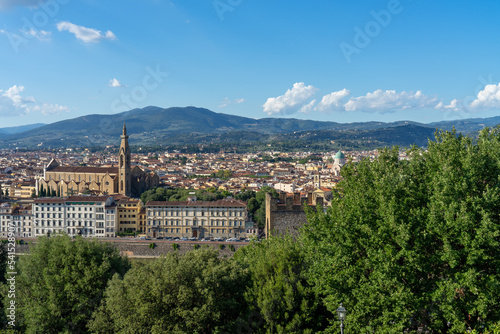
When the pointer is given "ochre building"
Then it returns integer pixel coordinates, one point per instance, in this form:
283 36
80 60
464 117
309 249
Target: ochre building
123 179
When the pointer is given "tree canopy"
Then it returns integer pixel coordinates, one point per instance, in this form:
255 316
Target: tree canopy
414 243
193 293
280 296
62 281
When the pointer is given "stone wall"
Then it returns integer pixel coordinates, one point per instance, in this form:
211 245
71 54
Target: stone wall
285 215
141 248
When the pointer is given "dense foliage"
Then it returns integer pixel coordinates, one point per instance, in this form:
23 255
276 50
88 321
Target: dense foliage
280 296
410 244
180 194
62 282
194 293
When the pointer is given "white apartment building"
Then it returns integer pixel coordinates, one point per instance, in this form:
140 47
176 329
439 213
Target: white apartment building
75 215
200 219
111 220
17 220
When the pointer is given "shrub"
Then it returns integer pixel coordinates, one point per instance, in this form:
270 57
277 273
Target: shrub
175 246
222 246
152 245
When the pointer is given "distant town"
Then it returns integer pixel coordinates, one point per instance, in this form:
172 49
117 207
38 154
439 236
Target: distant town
97 194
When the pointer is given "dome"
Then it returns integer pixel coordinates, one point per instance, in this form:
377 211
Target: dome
339 155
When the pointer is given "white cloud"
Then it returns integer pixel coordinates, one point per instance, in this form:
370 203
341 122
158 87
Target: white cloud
87 35
333 101
13 93
455 105
290 101
25 35
390 101
47 109
12 103
115 83
488 98
227 101
306 108
41 35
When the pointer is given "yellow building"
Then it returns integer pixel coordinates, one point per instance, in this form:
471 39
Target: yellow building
130 215
122 179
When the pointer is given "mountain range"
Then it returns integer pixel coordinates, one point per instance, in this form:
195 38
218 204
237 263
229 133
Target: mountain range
154 126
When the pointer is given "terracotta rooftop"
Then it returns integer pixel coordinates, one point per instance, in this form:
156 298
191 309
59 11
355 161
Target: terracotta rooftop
103 170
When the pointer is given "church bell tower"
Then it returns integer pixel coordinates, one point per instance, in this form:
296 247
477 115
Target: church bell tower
124 186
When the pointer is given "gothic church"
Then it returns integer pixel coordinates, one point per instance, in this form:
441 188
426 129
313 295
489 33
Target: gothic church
123 180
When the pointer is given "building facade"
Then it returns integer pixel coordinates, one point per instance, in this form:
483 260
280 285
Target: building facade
75 215
131 214
16 219
199 219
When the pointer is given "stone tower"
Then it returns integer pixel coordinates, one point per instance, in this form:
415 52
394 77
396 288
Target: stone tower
124 186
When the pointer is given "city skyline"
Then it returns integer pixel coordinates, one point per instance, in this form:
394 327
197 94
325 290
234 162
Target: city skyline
329 61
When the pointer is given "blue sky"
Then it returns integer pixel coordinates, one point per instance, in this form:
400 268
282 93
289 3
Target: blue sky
344 61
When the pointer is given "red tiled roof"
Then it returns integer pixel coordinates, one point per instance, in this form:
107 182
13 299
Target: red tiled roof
103 170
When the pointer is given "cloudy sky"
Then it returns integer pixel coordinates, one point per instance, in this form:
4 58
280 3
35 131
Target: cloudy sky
344 61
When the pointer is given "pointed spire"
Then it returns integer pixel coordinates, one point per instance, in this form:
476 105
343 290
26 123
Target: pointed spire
124 129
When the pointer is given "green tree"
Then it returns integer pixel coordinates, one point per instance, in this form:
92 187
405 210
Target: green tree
193 293
280 292
42 193
62 282
414 242
246 195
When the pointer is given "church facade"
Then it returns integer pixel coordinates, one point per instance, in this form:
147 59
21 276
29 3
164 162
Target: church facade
123 179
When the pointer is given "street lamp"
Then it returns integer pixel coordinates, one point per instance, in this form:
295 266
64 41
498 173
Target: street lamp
341 311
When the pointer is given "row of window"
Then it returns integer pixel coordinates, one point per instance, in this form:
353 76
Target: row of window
179 230
158 213
69 208
195 223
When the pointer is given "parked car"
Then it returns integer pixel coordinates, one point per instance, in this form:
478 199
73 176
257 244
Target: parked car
193 238
231 240
184 239
159 238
